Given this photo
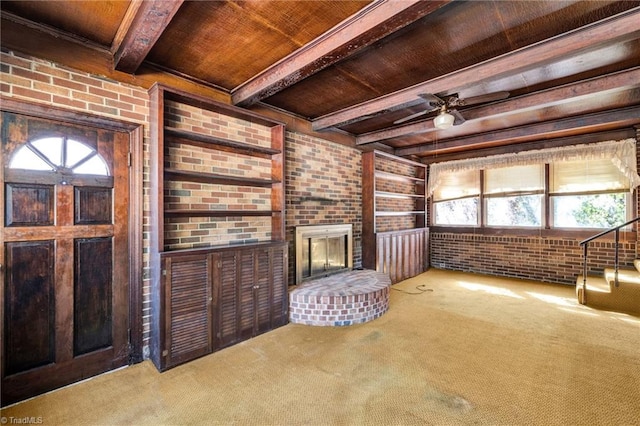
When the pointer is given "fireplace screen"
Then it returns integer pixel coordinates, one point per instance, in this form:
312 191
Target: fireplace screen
322 250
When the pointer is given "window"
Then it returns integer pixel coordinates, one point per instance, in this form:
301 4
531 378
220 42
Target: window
456 199
583 186
53 154
588 194
513 195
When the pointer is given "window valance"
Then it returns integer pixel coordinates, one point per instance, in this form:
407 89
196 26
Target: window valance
622 154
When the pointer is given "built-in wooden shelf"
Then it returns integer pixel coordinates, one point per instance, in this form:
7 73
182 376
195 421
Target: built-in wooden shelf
398 213
217 213
402 249
173 135
398 195
398 178
200 177
206 298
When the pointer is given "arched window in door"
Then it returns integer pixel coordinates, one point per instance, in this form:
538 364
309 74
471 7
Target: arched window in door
59 154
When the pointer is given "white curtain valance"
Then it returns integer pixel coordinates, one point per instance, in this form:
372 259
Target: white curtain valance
622 153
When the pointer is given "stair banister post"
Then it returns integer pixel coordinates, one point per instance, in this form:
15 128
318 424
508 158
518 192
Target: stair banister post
616 261
584 273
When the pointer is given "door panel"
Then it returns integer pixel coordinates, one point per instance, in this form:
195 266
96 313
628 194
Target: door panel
92 206
227 296
92 321
246 285
29 306
188 287
264 289
65 287
29 205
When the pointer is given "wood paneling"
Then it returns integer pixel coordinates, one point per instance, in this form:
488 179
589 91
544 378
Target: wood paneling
97 21
74 291
93 206
218 297
29 204
29 306
188 288
242 30
92 295
402 254
227 299
402 250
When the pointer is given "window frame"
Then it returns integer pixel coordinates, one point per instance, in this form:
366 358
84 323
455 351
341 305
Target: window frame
546 229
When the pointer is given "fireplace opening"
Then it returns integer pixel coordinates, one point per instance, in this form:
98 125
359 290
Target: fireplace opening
322 250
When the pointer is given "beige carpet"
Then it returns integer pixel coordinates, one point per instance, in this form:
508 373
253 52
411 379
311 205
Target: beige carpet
474 350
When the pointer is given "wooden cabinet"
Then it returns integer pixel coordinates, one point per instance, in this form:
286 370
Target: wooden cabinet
216 297
188 326
218 255
394 232
249 293
173 148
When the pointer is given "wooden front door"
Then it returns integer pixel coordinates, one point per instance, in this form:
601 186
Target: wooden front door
64 254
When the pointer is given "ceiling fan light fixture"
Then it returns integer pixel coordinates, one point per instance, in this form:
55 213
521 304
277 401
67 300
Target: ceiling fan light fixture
444 120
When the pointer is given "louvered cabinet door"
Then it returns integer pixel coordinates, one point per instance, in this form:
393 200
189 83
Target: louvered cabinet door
279 295
270 289
263 289
247 286
226 299
187 282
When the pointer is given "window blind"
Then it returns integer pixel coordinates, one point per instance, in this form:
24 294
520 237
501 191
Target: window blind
517 179
586 176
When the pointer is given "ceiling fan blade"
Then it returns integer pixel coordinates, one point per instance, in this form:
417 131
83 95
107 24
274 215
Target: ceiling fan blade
489 97
459 119
411 117
433 101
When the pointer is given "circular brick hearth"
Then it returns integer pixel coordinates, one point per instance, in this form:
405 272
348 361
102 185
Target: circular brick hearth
347 298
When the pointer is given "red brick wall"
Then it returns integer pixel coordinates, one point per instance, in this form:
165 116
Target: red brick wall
395 223
183 233
549 259
314 167
43 82
555 260
324 186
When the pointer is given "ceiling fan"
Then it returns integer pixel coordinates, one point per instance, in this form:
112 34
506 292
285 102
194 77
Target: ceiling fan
449 115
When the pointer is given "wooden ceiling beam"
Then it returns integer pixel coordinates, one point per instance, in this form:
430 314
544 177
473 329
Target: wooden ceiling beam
610 135
615 82
141 27
609 120
374 22
617 28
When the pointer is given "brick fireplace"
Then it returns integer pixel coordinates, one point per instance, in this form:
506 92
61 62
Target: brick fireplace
329 292
323 250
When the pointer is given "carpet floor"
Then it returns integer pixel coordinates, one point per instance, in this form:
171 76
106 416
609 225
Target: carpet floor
453 349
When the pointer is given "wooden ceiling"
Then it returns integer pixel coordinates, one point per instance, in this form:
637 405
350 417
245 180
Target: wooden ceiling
350 69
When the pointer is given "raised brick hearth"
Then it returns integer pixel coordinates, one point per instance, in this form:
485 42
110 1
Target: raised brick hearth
347 298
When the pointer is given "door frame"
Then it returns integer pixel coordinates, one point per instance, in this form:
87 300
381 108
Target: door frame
136 141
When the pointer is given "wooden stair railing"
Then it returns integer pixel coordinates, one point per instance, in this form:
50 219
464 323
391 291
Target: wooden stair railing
585 247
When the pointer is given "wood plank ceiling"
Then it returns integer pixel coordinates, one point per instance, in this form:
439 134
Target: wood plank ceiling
353 68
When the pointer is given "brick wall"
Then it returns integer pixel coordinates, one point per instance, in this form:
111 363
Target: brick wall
43 82
555 260
395 223
323 180
324 186
314 167
548 259
193 232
